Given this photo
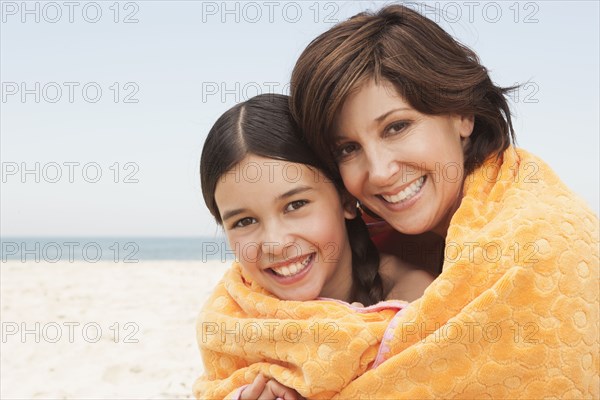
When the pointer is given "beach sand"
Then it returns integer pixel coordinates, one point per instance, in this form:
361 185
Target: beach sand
102 330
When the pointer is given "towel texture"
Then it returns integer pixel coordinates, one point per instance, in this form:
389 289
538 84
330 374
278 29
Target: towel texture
514 314
317 347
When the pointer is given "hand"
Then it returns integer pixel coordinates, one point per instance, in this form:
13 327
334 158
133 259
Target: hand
268 389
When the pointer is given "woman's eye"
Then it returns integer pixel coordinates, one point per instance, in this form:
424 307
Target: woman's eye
396 127
244 222
345 150
294 205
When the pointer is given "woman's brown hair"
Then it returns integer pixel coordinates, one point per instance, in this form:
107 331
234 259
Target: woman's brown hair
433 72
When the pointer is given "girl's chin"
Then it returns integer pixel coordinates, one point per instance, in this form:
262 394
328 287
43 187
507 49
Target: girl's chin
298 296
288 294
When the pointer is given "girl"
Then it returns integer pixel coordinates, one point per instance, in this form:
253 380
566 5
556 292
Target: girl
297 237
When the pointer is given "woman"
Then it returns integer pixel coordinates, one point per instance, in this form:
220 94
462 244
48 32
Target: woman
423 139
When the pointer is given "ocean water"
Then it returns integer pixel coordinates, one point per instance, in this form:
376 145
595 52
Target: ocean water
117 249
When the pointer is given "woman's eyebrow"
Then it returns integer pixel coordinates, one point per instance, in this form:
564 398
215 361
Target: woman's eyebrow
384 115
340 137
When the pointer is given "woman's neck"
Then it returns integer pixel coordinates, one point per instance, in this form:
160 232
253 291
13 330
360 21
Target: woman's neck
442 227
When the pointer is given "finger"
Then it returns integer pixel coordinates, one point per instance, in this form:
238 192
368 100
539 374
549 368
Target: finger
275 390
255 389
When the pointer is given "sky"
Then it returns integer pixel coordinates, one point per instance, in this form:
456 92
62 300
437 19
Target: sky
105 105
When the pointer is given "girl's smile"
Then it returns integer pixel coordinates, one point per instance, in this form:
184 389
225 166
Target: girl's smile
286 223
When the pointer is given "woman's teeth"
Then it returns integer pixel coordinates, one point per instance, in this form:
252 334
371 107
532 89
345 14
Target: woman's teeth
407 193
292 269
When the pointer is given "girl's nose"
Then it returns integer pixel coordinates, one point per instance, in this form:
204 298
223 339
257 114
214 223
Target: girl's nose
277 241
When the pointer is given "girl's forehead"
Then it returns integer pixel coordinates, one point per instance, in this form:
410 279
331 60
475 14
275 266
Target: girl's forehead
259 179
259 169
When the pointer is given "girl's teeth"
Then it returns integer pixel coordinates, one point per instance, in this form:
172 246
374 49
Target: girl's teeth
292 269
407 193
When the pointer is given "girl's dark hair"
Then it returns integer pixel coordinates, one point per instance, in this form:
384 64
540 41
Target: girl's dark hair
433 72
263 126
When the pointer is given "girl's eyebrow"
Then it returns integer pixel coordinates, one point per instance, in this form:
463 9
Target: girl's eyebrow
292 192
232 213
289 193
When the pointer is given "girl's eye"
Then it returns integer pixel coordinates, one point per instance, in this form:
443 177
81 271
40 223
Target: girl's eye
345 150
294 205
396 127
244 222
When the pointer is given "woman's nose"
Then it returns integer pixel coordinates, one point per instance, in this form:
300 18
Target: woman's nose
382 166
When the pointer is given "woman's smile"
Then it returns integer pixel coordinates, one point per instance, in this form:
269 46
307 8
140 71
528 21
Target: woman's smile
406 192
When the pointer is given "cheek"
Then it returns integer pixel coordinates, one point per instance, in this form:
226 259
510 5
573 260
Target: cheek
330 252
352 179
247 252
332 235
323 229
450 174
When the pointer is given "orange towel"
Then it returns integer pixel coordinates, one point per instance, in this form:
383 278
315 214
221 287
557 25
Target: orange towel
514 313
317 347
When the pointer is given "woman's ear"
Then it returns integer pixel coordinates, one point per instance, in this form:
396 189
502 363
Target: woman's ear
466 123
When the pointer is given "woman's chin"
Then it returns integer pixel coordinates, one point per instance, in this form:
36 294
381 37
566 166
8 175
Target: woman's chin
408 227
